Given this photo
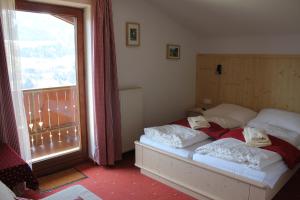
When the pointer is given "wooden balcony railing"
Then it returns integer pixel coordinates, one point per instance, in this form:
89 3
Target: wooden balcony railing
53 119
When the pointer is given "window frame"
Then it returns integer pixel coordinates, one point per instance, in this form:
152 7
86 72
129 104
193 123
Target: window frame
68 160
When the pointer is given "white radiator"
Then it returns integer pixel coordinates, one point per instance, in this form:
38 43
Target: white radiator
132 120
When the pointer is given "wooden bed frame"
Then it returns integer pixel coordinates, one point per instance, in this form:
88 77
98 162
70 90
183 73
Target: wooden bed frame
202 181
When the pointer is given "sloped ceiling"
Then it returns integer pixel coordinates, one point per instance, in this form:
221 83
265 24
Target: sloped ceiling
219 18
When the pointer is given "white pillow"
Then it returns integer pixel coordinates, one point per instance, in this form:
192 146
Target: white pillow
287 135
232 111
224 122
280 118
6 193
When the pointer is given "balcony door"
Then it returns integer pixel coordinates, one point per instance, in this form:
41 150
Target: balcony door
51 45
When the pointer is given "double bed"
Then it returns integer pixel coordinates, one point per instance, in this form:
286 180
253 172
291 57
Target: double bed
207 177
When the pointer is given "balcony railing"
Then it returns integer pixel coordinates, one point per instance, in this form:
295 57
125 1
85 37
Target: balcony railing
53 120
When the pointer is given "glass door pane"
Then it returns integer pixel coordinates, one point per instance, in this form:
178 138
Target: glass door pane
50 83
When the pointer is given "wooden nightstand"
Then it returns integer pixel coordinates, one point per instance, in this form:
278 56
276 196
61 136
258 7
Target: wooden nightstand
194 112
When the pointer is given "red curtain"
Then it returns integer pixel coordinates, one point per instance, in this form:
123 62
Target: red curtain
105 82
8 126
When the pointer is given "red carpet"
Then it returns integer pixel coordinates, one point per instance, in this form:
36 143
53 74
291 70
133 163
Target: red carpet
124 182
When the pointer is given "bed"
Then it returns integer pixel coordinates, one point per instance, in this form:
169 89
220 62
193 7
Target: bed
202 179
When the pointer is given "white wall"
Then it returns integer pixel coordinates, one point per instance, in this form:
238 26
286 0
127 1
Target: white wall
285 44
169 86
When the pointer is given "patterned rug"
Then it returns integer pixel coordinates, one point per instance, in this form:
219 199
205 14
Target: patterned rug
56 180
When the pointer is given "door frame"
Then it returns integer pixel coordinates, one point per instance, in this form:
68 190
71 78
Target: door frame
68 160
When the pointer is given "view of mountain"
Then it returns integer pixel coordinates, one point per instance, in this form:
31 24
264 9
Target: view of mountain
47 51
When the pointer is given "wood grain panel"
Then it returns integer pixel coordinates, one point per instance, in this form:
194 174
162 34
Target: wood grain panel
254 81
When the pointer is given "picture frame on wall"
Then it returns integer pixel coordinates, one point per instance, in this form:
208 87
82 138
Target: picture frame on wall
173 51
132 34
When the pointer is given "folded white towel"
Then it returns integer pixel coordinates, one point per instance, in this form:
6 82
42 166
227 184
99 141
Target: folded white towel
198 122
256 138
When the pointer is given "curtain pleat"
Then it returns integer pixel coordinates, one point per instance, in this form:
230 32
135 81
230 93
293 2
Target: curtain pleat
107 131
13 73
8 126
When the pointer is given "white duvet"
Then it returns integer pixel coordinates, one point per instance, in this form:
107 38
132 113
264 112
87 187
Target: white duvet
175 135
237 151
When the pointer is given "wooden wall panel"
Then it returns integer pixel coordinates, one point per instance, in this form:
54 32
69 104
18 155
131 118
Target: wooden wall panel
254 81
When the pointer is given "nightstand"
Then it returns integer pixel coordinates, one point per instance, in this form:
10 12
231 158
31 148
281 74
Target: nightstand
194 112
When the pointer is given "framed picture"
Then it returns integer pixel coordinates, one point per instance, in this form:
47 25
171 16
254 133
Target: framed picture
173 51
132 34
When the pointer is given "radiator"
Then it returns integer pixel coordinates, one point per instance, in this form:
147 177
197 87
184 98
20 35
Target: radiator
132 119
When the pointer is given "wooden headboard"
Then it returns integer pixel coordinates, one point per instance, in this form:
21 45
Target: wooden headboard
254 81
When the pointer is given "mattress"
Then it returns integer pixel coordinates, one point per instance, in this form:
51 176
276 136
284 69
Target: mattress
186 152
268 175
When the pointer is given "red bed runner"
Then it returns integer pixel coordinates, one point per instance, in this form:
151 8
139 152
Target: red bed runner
215 131
289 153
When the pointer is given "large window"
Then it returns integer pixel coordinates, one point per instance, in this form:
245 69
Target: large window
51 52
